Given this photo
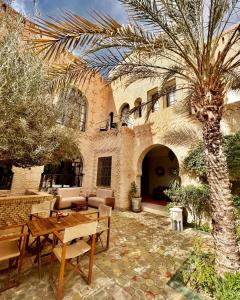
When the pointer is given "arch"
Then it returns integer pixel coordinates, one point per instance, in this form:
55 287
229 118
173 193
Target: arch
157 167
125 117
138 108
73 107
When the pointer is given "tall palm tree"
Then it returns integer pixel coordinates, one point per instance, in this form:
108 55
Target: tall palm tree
200 48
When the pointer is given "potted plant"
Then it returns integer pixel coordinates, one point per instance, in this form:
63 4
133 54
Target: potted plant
134 197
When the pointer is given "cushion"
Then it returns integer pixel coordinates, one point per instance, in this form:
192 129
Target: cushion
67 201
96 201
69 192
104 193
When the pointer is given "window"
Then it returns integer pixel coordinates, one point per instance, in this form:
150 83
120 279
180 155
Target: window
171 97
72 105
126 119
155 102
138 108
66 174
104 171
6 175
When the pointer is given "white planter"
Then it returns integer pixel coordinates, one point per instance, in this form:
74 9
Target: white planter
136 204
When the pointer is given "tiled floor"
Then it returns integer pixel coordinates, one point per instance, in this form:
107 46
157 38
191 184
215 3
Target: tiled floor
144 253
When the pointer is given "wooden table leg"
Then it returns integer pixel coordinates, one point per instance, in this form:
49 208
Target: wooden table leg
90 271
39 256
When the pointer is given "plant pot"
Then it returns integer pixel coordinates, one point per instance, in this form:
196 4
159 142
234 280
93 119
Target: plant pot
136 204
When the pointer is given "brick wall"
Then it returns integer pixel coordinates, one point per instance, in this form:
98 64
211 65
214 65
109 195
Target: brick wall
16 209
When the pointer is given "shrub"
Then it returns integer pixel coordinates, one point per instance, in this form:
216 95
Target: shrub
228 288
238 232
194 162
201 276
169 206
133 191
204 227
195 198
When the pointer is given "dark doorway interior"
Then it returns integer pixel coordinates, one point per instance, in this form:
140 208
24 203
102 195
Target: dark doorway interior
6 175
159 169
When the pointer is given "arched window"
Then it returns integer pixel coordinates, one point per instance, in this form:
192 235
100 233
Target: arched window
138 108
73 106
125 116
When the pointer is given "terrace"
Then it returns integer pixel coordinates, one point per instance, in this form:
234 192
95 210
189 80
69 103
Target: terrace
143 256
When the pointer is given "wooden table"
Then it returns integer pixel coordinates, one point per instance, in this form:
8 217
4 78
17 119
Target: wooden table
45 226
79 205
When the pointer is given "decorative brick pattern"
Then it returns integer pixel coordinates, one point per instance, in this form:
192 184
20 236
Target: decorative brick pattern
16 209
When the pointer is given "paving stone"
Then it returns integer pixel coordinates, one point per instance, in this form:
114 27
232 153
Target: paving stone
144 253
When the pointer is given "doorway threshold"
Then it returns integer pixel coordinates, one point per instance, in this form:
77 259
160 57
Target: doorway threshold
155 209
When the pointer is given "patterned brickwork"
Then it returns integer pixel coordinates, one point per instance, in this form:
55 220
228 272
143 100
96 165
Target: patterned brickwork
16 209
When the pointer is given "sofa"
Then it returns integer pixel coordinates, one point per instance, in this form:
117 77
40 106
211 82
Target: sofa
65 197
102 196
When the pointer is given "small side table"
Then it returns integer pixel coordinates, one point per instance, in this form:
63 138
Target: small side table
79 205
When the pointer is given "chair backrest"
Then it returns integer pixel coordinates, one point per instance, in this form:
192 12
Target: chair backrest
80 230
8 232
104 211
43 207
104 193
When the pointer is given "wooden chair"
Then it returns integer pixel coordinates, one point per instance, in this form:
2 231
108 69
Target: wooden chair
104 224
12 248
68 249
40 210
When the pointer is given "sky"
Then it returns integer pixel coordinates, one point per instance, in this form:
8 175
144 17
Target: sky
55 8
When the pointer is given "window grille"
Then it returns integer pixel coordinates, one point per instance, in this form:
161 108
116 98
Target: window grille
72 106
104 171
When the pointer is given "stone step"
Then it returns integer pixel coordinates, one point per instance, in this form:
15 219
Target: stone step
155 209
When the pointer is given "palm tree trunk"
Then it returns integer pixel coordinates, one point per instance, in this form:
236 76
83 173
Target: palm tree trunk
222 207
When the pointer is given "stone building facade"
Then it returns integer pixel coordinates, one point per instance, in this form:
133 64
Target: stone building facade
132 140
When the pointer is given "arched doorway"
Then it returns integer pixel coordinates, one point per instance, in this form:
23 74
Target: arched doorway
159 169
65 174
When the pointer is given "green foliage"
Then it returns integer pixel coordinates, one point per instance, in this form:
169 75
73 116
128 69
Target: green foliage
236 201
133 191
232 151
29 134
238 232
201 276
228 288
204 227
195 198
194 162
169 206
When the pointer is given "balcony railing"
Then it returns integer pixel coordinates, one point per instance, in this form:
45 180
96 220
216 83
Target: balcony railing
60 180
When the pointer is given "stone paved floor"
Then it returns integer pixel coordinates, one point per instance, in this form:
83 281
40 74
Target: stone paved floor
143 255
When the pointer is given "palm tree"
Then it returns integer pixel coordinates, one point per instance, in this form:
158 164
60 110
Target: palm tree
200 48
